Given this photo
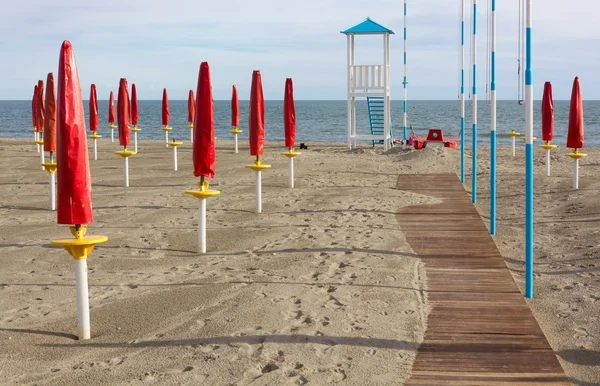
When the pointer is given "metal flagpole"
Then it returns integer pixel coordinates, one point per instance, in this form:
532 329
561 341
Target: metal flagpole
528 156
474 53
405 83
462 93
493 127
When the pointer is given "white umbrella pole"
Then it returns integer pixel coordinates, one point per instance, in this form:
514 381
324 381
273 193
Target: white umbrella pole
166 138
35 138
175 158
135 141
95 150
191 135
514 145
83 303
52 191
548 162
236 143
291 173
42 158
112 135
258 191
202 225
576 175
126 172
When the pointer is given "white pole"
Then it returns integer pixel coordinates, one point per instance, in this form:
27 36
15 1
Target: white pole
191 135
175 158
576 175
112 135
135 141
291 173
42 158
202 225
95 150
35 138
514 146
83 303
236 143
166 138
52 191
258 192
126 172
548 162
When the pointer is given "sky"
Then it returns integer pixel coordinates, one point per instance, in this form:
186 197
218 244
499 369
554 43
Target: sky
161 43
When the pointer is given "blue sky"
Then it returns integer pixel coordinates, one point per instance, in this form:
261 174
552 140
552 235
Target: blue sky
158 44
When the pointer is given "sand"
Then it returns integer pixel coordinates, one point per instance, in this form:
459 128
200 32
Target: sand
319 288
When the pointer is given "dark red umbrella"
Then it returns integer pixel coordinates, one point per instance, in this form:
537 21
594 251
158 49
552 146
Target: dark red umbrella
40 107
134 106
50 116
111 108
93 109
289 114
204 126
235 107
575 134
256 117
123 111
547 113
74 198
191 107
165 108
34 107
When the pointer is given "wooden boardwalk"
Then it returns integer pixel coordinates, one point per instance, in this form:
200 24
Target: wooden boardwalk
480 330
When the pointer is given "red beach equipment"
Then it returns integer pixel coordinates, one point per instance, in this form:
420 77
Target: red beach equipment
50 115
74 198
289 114
547 113
235 107
93 109
204 126
191 107
111 108
34 107
256 116
575 134
123 111
165 108
134 106
40 107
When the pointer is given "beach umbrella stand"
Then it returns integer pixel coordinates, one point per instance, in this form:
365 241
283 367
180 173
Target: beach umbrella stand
112 128
36 140
166 129
174 145
547 146
40 143
191 127
514 136
51 169
258 167
135 131
576 156
575 135
94 137
202 194
290 154
126 154
235 131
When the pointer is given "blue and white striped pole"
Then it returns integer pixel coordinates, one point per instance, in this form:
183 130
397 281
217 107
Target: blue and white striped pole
528 156
474 167
405 83
462 92
493 127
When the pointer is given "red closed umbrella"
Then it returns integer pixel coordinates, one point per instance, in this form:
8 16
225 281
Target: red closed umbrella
256 118
547 113
74 198
289 114
123 111
191 107
235 107
34 107
93 109
165 108
50 116
575 134
111 108
204 126
40 107
134 105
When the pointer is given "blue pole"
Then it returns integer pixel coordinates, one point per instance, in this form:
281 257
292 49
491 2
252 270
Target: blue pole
405 83
493 127
462 92
528 156
474 167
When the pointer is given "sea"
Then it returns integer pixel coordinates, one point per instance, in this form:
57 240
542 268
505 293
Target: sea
326 121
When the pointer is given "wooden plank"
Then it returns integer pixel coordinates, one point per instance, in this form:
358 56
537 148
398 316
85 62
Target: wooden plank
480 331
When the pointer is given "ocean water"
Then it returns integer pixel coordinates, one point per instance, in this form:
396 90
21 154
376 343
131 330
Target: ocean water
325 121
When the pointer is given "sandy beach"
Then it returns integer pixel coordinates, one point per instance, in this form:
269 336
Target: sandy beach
320 288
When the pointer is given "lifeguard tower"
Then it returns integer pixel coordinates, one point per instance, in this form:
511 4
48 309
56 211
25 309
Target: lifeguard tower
371 82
